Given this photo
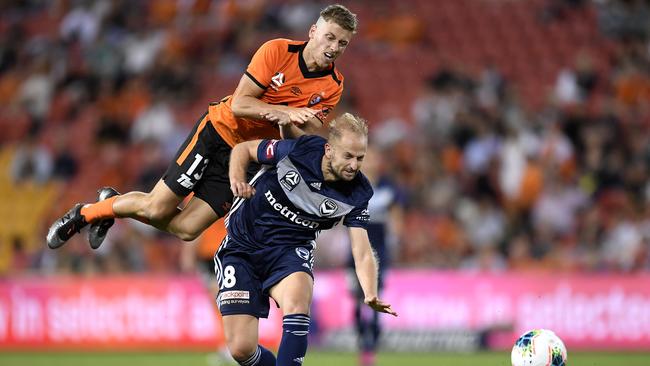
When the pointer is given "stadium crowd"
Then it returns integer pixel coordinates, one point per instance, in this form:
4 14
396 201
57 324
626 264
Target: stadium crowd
494 178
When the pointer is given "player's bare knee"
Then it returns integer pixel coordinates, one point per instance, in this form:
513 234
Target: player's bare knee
241 350
295 306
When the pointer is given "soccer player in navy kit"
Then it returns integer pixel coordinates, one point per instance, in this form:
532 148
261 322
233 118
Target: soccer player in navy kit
386 212
307 185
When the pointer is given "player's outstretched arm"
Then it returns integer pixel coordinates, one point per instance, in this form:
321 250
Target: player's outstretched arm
242 154
246 103
365 263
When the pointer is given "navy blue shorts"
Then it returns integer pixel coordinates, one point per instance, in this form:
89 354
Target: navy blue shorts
245 277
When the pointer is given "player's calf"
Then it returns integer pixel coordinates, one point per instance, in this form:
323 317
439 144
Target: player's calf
192 220
155 210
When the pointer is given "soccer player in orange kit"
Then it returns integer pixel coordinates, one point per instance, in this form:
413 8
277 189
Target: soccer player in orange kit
287 83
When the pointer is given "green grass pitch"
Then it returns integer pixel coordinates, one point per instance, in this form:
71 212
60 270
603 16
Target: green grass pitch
313 359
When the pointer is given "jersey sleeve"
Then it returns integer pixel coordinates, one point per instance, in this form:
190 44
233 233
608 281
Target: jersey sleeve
264 62
271 151
358 217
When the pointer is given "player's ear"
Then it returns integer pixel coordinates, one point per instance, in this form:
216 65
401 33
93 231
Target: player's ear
328 150
312 31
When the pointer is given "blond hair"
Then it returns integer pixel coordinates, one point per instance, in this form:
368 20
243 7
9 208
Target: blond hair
347 122
342 16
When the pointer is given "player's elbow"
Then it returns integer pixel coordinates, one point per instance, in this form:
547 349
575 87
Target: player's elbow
238 107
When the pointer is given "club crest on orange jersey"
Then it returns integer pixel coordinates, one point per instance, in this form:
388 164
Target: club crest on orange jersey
277 80
314 99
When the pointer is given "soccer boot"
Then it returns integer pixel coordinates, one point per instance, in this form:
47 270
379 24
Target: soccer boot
64 228
99 229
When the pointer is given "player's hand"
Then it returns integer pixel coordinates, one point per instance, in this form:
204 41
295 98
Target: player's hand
289 115
379 306
301 115
242 189
279 117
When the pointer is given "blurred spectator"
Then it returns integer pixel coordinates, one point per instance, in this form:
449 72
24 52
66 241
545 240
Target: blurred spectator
10 46
83 21
520 256
623 242
154 164
481 149
157 122
518 145
623 18
141 47
392 129
21 260
65 165
491 89
557 205
296 16
32 162
483 222
436 108
485 259
36 92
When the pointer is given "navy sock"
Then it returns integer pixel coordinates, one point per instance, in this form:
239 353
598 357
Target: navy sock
368 328
293 347
261 357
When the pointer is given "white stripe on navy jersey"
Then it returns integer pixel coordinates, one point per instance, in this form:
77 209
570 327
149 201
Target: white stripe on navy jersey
239 200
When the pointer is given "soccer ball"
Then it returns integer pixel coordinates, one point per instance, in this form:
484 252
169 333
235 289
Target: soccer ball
539 347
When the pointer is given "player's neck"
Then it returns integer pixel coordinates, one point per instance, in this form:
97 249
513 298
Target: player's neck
328 175
310 60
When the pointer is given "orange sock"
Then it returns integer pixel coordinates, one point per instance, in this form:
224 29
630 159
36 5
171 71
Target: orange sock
100 210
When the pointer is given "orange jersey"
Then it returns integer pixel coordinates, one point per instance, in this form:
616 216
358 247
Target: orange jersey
278 67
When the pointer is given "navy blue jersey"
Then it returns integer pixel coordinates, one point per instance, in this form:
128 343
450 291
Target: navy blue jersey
293 202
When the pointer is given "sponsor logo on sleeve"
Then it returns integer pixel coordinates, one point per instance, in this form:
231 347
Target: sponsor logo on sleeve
270 149
364 216
277 80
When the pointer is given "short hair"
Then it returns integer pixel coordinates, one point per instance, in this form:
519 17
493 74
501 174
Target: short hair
347 122
340 15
